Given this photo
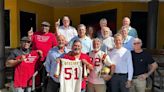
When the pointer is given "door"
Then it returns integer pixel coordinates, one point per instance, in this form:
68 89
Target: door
27 20
92 19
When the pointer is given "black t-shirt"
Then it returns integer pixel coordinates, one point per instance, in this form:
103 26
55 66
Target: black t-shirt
141 61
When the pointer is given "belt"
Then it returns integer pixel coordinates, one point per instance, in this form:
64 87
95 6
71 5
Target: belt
120 74
135 77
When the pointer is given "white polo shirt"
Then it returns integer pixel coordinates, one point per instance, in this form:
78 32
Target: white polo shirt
69 32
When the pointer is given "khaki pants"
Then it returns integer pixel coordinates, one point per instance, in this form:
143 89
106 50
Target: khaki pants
28 89
96 87
138 85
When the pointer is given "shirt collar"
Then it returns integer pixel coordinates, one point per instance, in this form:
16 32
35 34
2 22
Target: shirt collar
57 49
83 38
65 28
126 39
129 28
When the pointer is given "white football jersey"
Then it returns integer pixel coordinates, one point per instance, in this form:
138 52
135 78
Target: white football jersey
71 73
96 58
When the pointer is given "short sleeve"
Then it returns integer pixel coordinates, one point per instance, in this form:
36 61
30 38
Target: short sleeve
13 54
150 59
107 61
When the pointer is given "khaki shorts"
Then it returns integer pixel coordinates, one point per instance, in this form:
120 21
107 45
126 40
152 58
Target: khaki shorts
96 87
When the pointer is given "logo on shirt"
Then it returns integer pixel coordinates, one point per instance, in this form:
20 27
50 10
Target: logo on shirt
42 38
72 63
141 60
30 59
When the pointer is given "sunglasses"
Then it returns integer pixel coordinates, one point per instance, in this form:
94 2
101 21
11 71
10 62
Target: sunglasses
26 41
136 43
45 26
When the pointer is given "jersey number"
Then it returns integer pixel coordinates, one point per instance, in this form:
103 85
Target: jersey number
69 74
97 62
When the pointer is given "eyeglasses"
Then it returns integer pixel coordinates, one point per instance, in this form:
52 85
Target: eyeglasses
137 43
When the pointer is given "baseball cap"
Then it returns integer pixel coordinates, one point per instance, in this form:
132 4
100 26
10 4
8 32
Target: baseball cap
45 23
25 38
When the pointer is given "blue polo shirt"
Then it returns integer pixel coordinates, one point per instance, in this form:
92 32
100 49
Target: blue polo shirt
86 44
51 64
128 42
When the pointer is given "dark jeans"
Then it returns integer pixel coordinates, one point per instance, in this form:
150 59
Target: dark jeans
43 77
108 86
118 83
52 86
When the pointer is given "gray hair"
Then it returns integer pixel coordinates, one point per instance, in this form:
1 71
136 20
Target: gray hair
126 18
103 20
117 35
81 25
97 39
65 16
61 36
77 40
124 27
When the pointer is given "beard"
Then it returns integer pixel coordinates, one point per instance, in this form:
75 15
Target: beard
96 49
44 30
76 51
61 45
105 36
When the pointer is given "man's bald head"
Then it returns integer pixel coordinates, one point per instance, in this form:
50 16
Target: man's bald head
61 41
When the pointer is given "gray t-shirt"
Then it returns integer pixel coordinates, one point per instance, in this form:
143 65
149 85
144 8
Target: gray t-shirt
17 52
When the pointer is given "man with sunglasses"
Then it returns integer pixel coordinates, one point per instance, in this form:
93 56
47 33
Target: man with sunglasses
24 61
143 65
43 40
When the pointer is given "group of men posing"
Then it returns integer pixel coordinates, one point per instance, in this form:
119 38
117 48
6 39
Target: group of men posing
130 65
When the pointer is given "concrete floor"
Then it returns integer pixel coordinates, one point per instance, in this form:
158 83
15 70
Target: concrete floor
5 90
